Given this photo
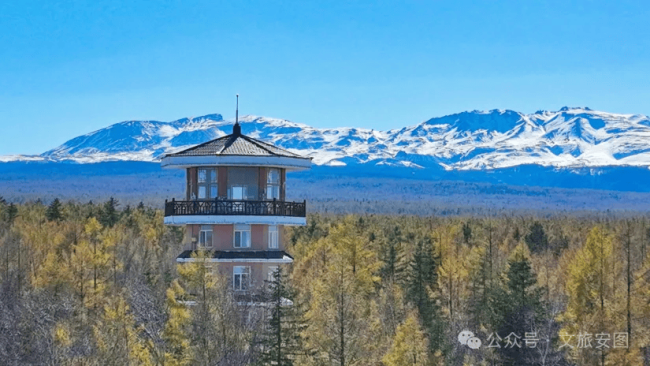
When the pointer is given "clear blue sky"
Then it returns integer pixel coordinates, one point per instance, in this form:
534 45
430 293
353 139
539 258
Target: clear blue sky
71 67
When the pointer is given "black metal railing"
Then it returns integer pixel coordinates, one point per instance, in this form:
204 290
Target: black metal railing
235 207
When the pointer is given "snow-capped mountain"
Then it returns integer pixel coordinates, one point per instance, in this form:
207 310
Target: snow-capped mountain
477 140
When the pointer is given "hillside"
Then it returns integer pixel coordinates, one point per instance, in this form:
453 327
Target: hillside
479 140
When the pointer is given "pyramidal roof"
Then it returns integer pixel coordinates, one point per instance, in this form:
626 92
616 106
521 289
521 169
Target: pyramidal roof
236 144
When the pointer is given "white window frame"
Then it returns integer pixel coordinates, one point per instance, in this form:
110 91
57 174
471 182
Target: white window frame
273 237
245 233
203 236
273 187
209 184
243 273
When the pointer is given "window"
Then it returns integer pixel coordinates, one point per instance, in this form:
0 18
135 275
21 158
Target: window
273 237
238 192
207 183
273 184
243 183
242 236
271 274
241 277
205 236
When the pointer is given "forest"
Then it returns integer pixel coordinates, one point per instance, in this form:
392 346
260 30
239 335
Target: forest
97 284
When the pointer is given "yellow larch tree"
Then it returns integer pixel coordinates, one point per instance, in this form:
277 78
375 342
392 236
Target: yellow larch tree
117 336
409 346
340 326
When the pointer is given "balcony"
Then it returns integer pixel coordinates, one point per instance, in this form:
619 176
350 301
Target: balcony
235 211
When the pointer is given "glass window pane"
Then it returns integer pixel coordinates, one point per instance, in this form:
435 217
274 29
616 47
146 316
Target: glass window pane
273 176
213 175
272 191
237 193
246 239
237 282
208 239
213 191
203 173
244 282
237 239
202 192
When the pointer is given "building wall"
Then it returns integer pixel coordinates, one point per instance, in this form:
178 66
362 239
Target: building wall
223 237
259 271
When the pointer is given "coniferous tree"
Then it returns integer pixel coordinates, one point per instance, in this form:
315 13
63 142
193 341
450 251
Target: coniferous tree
520 305
341 302
392 257
11 213
536 239
517 234
409 345
281 340
177 329
53 212
109 215
422 277
590 294
467 232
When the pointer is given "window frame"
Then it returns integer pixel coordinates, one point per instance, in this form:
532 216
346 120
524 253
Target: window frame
273 234
241 228
209 184
244 277
206 229
273 187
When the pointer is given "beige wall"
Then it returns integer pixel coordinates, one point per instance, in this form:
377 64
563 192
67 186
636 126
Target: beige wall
259 271
222 237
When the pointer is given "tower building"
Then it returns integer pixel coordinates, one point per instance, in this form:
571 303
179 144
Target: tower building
235 205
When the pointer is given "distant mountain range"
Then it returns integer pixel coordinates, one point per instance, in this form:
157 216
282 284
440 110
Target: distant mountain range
476 140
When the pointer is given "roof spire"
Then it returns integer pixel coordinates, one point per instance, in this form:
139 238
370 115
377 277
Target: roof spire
236 129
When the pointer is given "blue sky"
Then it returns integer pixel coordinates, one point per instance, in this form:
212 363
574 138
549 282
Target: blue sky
68 68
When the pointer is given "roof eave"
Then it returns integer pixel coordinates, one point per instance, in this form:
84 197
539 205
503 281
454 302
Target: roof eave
289 163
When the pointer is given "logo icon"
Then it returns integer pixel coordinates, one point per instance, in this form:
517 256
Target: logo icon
468 339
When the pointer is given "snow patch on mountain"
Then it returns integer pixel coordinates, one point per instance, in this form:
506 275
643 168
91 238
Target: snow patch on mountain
476 140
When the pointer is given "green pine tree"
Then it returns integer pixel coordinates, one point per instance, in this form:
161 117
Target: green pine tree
11 213
467 232
392 257
109 215
422 278
281 341
537 239
53 212
520 305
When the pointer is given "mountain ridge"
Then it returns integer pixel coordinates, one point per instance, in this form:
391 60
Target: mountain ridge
572 137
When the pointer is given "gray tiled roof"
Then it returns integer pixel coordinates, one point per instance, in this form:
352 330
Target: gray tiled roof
235 144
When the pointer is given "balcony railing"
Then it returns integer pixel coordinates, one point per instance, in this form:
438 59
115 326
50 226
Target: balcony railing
235 207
